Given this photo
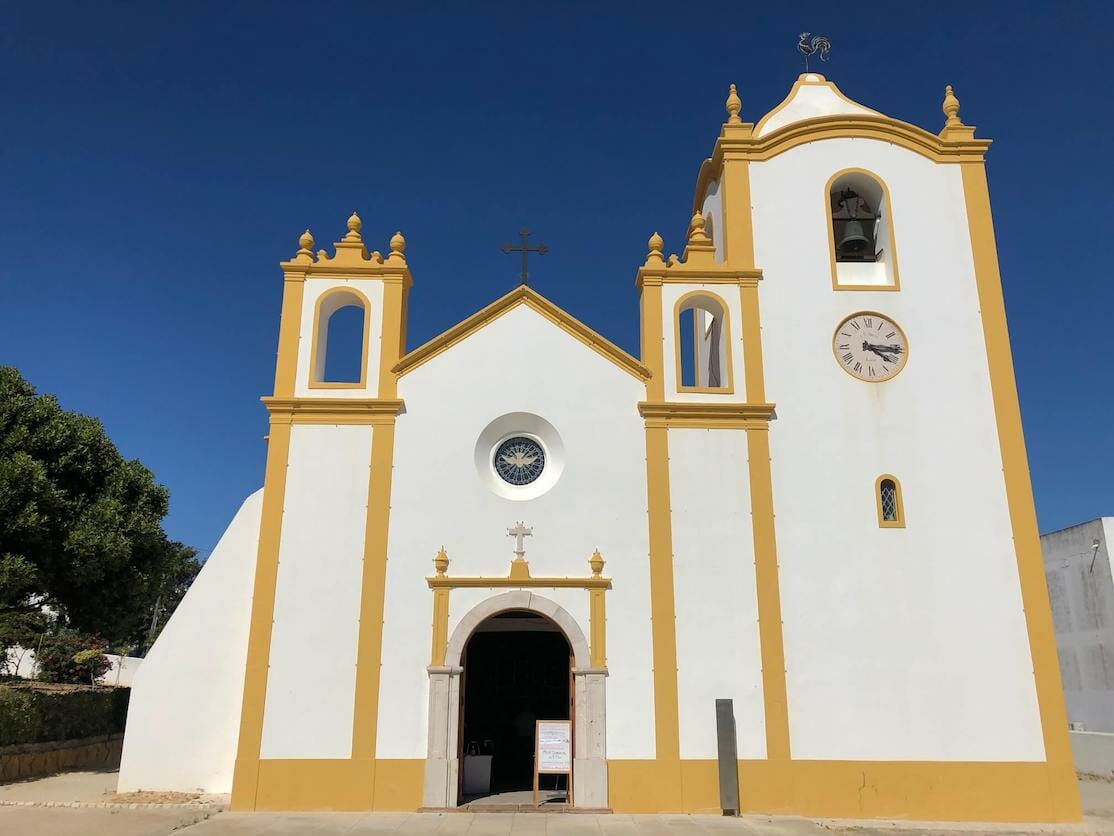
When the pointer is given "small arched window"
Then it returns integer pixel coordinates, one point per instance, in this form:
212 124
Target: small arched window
861 232
703 343
891 508
340 332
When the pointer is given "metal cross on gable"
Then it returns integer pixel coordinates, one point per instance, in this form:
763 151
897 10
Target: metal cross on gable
525 249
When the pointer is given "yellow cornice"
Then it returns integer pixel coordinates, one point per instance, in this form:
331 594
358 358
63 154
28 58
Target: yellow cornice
707 414
679 273
332 410
518 577
522 296
955 147
350 258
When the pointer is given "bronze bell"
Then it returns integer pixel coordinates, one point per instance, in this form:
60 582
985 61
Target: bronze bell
853 240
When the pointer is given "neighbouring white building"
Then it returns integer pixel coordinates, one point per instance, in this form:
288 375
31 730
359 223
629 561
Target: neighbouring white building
1081 589
809 494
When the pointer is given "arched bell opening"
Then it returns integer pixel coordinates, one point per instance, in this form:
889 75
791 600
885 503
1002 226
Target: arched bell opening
861 231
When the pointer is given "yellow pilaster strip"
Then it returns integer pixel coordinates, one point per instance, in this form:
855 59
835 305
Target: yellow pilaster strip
769 595
738 227
394 328
440 626
598 627
246 773
369 650
663 628
290 324
1019 495
751 327
653 347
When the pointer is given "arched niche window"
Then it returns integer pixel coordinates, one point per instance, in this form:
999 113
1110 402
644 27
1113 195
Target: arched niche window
703 340
860 232
891 508
340 335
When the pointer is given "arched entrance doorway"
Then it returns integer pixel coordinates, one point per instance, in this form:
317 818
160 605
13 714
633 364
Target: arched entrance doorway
588 703
517 670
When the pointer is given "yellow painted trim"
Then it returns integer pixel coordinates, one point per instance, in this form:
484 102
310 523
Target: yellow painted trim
663 633
753 372
847 370
392 343
653 340
771 641
725 339
909 790
706 414
513 582
369 649
316 347
899 502
597 622
1019 496
340 785
896 284
290 327
522 295
332 410
440 626
680 273
246 771
738 223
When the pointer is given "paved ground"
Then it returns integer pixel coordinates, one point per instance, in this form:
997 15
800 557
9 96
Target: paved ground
202 820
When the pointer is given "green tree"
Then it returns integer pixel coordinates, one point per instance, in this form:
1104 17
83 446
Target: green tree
80 526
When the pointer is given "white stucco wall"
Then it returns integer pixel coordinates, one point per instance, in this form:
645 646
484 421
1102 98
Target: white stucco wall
521 362
813 97
911 643
314 288
1081 590
718 655
312 677
184 714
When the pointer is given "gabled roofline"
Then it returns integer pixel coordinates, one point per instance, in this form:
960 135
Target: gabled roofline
523 296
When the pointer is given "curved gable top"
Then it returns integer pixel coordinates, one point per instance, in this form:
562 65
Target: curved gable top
812 95
523 296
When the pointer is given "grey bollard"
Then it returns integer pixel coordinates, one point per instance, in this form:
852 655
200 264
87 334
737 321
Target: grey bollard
728 758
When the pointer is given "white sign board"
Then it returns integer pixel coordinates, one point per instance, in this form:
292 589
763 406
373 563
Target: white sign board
554 747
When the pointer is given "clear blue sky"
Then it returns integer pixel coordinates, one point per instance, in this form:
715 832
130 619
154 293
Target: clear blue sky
159 159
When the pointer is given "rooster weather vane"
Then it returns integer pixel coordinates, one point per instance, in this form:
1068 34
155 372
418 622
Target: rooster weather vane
818 44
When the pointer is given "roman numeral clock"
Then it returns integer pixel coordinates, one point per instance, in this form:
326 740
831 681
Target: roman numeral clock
870 346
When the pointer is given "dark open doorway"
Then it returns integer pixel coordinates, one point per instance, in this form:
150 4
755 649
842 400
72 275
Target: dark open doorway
517 669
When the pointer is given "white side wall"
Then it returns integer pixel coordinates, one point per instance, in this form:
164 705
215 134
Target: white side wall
714 586
312 678
1093 753
521 362
184 715
900 644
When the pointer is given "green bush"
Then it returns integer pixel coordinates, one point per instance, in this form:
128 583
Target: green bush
72 657
34 714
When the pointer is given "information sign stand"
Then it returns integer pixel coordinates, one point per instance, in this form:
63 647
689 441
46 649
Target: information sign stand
553 753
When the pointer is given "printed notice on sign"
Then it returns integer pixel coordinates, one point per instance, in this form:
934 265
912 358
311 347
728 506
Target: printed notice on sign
554 743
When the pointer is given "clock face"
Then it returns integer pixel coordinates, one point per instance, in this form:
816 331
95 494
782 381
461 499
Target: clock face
870 346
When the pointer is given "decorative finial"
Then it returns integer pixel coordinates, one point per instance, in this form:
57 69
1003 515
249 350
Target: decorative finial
734 105
696 229
305 244
354 226
951 108
441 562
596 562
398 247
655 244
819 44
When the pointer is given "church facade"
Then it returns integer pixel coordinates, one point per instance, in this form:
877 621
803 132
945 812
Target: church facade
808 495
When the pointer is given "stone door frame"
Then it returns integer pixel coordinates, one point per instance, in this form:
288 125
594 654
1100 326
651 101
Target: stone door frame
589 705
